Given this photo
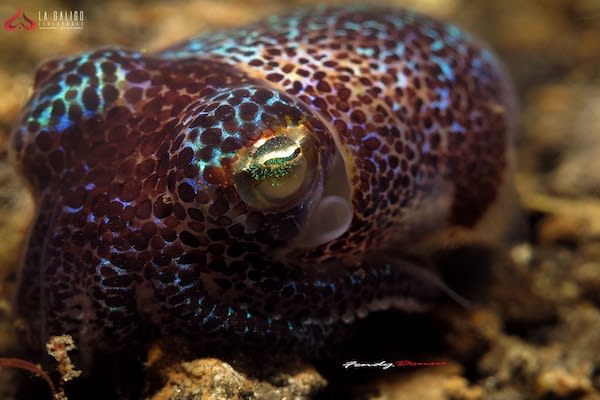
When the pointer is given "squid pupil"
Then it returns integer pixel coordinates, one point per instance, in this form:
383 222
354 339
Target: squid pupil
271 161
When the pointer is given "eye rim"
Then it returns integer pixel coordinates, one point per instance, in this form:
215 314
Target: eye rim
300 134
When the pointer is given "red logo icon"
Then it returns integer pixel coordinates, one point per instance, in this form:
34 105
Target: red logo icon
19 20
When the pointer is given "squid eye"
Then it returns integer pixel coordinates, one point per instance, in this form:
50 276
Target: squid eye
278 171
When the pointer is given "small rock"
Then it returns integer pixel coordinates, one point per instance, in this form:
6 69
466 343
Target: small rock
522 254
562 384
215 379
560 229
457 388
587 276
426 383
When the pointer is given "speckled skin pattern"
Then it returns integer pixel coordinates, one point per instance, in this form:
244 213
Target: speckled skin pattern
147 220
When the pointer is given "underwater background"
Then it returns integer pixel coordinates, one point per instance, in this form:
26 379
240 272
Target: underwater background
534 332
